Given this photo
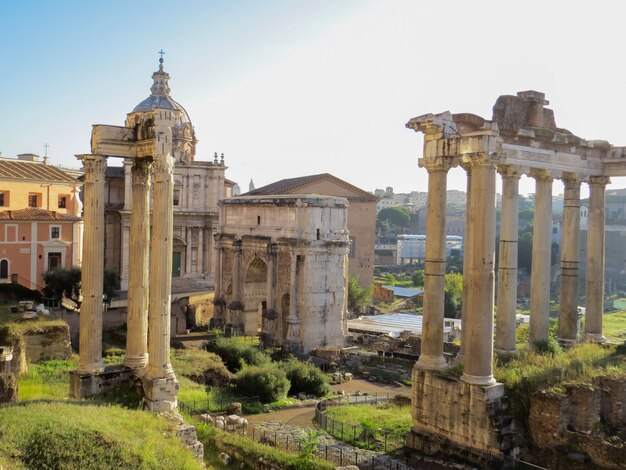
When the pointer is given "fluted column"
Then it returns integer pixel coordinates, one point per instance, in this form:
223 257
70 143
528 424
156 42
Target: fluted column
161 263
431 355
479 277
570 235
270 315
466 237
292 340
236 306
507 267
137 334
90 334
188 251
594 308
542 249
200 262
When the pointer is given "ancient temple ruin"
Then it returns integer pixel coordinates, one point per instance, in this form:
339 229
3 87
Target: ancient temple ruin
156 133
282 269
521 139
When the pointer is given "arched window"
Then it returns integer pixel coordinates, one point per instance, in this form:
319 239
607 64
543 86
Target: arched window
4 269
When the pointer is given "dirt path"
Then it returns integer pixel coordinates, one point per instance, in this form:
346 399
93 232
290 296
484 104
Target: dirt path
303 416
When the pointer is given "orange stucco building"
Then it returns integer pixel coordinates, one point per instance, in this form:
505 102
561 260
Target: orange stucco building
40 220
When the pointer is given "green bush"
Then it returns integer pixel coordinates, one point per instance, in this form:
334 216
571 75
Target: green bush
305 377
267 382
547 346
201 366
237 352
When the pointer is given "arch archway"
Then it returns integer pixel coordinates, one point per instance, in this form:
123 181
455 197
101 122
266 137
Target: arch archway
254 296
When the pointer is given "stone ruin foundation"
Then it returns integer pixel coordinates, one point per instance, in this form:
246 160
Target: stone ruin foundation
522 138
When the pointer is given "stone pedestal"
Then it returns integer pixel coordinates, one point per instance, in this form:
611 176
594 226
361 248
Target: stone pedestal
542 249
161 393
8 387
568 313
84 385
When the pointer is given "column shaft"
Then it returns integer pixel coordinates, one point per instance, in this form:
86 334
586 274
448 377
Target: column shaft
466 238
292 340
161 269
594 308
570 234
507 268
137 334
431 355
479 277
90 334
236 306
542 249
188 251
200 262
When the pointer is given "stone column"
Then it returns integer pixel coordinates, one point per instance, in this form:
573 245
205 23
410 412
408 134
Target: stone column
125 252
507 268
161 386
479 277
570 234
127 184
90 334
431 355
200 262
236 306
542 249
189 238
466 241
292 342
137 334
270 314
594 308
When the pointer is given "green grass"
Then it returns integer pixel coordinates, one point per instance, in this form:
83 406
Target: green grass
530 371
46 380
614 326
65 436
365 425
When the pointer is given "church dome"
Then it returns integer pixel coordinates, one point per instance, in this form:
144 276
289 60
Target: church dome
160 97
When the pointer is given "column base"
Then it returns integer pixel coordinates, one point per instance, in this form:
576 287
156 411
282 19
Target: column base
91 367
566 342
594 337
136 362
506 352
161 394
482 380
84 385
426 362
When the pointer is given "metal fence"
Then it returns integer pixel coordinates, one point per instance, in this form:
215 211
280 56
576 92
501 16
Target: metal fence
337 454
358 435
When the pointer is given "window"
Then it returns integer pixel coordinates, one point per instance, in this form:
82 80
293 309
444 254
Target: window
4 269
62 201
54 261
4 198
177 197
33 199
55 231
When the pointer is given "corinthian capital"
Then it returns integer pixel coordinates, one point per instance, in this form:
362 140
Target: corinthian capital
599 180
95 167
140 172
509 171
437 163
429 124
541 175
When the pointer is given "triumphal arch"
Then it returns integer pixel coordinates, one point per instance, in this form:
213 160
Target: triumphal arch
522 138
282 270
156 134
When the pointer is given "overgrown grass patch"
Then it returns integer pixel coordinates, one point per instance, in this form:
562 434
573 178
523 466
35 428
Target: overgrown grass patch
614 326
530 371
200 366
61 435
379 417
46 380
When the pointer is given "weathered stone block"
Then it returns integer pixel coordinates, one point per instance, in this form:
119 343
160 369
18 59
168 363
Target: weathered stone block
8 388
585 399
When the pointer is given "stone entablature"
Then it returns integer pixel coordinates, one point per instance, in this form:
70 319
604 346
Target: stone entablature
282 269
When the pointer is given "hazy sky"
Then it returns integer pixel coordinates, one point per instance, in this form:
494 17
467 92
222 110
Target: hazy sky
289 88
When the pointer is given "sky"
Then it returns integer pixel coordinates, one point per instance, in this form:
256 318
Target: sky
287 88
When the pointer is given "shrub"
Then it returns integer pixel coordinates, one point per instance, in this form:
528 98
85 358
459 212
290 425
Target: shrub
201 366
236 352
305 378
549 346
267 382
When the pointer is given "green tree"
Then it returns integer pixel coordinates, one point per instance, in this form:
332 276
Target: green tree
417 279
398 216
60 282
453 293
358 296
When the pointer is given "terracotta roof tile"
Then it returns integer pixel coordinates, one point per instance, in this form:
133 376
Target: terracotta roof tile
25 170
32 213
290 184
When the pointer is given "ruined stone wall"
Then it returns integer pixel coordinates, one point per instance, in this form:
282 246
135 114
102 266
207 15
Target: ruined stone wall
570 428
39 343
